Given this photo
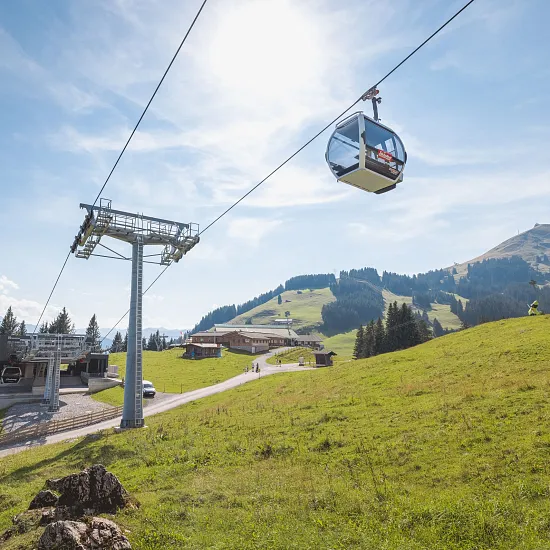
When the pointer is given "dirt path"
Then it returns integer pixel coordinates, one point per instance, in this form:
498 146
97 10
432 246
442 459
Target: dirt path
169 402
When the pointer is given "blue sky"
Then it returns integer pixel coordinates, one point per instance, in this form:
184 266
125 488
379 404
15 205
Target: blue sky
255 79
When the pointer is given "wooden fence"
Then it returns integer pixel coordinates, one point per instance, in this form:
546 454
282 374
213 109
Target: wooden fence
44 429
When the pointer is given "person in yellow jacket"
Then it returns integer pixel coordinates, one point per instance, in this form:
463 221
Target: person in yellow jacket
534 308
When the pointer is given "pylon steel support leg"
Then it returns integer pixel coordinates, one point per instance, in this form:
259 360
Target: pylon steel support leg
132 414
48 385
55 381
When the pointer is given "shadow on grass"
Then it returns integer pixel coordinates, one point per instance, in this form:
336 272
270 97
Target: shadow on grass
92 449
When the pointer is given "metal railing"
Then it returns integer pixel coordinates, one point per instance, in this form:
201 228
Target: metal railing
44 429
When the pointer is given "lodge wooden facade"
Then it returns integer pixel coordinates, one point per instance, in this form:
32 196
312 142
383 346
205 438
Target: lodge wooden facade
201 351
323 358
254 338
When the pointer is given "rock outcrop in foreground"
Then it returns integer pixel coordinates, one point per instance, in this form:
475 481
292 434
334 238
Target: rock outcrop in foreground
98 533
67 510
92 489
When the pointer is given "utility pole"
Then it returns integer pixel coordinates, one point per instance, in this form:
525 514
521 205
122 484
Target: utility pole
177 238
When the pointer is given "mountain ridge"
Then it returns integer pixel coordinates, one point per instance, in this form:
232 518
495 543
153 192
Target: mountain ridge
530 245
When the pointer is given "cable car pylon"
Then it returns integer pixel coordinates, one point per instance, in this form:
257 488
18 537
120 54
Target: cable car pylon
177 238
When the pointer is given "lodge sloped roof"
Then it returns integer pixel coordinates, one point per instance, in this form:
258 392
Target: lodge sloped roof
256 335
276 330
324 352
202 345
308 338
208 333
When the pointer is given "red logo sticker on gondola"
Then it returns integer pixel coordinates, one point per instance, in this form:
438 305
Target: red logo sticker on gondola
384 155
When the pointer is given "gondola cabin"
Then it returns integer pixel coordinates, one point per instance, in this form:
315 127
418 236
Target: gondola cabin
366 154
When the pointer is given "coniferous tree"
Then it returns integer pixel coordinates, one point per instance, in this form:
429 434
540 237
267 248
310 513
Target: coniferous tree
158 341
302 282
279 299
424 331
125 342
44 328
391 322
379 337
410 333
459 309
22 330
93 334
368 341
359 342
62 324
116 346
9 323
437 329
143 343
151 343
454 304
464 325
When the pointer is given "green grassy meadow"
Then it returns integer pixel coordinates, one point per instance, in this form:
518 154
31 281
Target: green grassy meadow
342 344
444 315
172 374
441 311
445 446
305 308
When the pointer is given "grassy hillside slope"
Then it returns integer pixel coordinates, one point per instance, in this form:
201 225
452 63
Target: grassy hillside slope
442 446
441 311
305 308
342 344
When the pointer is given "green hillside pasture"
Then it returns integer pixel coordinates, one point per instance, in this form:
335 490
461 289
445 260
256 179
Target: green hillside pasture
445 446
441 311
292 356
305 308
342 344
444 316
170 373
390 297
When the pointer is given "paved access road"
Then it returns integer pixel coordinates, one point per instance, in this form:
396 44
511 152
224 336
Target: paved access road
172 402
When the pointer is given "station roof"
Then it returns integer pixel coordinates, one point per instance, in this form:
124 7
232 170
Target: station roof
264 336
324 352
201 345
308 338
275 330
209 333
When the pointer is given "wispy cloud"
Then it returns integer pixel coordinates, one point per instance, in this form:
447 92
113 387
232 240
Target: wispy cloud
251 230
7 284
31 78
